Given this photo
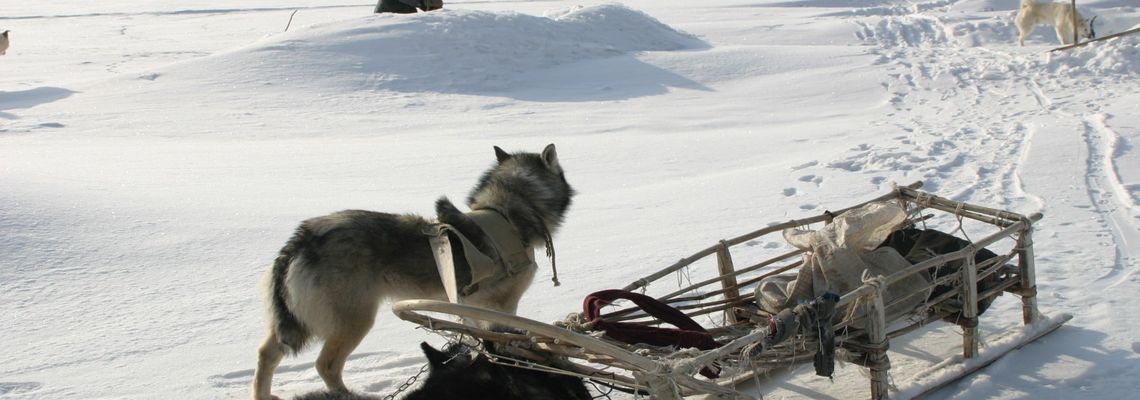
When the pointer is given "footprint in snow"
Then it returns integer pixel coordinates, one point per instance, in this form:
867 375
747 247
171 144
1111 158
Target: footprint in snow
789 192
811 178
7 388
766 245
805 165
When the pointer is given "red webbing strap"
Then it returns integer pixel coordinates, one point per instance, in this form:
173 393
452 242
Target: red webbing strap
689 334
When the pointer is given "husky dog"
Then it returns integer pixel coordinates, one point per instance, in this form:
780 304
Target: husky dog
3 43
1059 15
331 276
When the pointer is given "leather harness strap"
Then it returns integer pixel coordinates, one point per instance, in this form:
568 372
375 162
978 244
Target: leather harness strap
513 256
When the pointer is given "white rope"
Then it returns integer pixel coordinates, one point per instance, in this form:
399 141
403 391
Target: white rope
873 281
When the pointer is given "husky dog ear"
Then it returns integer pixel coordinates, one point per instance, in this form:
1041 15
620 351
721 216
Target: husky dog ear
550 157
435 357
501 155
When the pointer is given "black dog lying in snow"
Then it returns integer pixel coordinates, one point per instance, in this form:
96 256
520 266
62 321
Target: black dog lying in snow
458 373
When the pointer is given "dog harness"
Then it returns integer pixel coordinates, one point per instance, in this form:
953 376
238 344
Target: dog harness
483 268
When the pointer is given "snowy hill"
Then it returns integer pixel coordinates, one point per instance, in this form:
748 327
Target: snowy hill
154 158
452 51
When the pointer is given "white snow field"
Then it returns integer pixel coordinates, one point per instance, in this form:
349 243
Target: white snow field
154 156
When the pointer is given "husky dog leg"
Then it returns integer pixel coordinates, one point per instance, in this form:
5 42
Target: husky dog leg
1064 34
330 278
348 316
1027 18
269 355
330 364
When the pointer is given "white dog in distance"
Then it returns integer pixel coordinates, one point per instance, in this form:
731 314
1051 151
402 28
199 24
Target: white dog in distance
1059 15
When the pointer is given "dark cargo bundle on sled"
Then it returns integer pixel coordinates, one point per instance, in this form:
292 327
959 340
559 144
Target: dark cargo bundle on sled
854 280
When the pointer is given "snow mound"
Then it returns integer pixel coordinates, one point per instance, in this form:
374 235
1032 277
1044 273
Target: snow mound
982 6
905 31
866 9
979 33
449 51
1115 56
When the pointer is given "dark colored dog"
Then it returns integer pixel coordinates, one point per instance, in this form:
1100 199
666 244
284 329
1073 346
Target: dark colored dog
457 373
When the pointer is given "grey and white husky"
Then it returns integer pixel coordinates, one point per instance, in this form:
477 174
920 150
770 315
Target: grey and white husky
333 274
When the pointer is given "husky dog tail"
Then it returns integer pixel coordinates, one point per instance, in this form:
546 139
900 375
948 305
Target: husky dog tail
289 330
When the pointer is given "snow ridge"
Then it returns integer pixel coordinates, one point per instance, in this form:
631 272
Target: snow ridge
450 51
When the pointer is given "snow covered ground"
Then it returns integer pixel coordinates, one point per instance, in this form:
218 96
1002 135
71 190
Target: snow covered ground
154 156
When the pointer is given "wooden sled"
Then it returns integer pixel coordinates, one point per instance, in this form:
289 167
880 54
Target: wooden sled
727 299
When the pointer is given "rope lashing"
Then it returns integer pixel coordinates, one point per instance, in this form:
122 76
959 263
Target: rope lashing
550 254
877 349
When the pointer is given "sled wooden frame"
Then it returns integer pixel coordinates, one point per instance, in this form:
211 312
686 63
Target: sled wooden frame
668 374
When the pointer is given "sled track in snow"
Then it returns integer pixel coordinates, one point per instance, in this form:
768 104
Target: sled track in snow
1107 194
1110 198
964 107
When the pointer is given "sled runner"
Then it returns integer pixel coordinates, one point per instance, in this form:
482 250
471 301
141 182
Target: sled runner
854 280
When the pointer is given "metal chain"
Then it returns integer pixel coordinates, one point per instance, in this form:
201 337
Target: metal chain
408 383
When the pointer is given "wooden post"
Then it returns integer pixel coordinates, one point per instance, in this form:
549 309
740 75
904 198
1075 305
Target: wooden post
1028 275
1074 15
877 360
728 280
969 320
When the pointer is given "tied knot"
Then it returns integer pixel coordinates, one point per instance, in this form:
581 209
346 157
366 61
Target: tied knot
876 281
